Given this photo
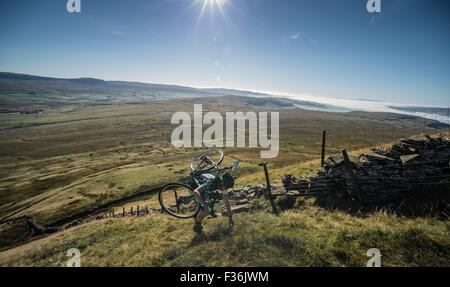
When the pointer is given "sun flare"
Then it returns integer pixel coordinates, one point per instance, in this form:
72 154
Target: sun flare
213 4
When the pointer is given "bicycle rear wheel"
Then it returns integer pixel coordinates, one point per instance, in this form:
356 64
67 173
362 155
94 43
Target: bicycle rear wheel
178 200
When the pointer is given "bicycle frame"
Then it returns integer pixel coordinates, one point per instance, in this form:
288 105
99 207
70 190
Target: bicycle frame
195 180
212 197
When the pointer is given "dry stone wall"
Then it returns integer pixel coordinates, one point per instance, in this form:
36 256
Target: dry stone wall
384 174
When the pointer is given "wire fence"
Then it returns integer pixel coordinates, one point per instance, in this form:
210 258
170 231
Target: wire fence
377 135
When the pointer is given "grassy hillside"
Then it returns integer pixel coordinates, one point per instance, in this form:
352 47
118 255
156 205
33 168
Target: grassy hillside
55 164
303 236
62 161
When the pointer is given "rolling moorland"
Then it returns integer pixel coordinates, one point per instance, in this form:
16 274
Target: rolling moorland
70 145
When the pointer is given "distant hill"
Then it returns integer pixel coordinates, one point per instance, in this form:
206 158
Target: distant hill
21 92
442 111
10 82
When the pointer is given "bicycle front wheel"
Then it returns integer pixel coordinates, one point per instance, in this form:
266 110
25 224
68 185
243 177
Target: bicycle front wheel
178 200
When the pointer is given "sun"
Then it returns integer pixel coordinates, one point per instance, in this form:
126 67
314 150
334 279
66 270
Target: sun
213 4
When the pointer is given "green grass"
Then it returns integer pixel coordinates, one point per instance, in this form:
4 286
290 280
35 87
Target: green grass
303 236
66 160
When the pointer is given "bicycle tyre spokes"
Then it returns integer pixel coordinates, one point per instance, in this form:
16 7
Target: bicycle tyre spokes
207 160
178 200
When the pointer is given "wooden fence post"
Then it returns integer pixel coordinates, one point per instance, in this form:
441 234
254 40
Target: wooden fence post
355 185
269 188
123 211
138 210
324 136
132 210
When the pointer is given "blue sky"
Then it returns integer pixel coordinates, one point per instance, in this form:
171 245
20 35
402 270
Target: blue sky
317 47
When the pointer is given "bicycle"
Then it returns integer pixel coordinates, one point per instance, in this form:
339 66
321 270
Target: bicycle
178 200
